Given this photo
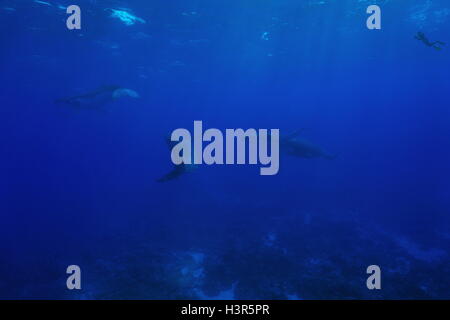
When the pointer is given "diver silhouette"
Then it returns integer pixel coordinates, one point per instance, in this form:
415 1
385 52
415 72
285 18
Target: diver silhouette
436 44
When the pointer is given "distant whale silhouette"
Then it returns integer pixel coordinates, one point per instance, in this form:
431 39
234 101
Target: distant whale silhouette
301 148
98 98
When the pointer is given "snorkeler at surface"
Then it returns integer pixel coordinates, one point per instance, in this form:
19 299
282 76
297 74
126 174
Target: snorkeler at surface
436 44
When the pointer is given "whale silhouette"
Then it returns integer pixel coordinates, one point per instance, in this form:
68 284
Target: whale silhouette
98 98
294 146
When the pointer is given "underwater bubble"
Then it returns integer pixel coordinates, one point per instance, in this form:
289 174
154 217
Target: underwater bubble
265 36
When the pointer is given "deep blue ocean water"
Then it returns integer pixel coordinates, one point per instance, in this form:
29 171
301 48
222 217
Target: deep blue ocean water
78 186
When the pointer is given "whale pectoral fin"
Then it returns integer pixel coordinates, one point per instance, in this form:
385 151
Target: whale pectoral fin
175 173
170 144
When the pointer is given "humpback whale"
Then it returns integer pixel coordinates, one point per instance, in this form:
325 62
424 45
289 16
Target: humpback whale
178 170
301 148
98 98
